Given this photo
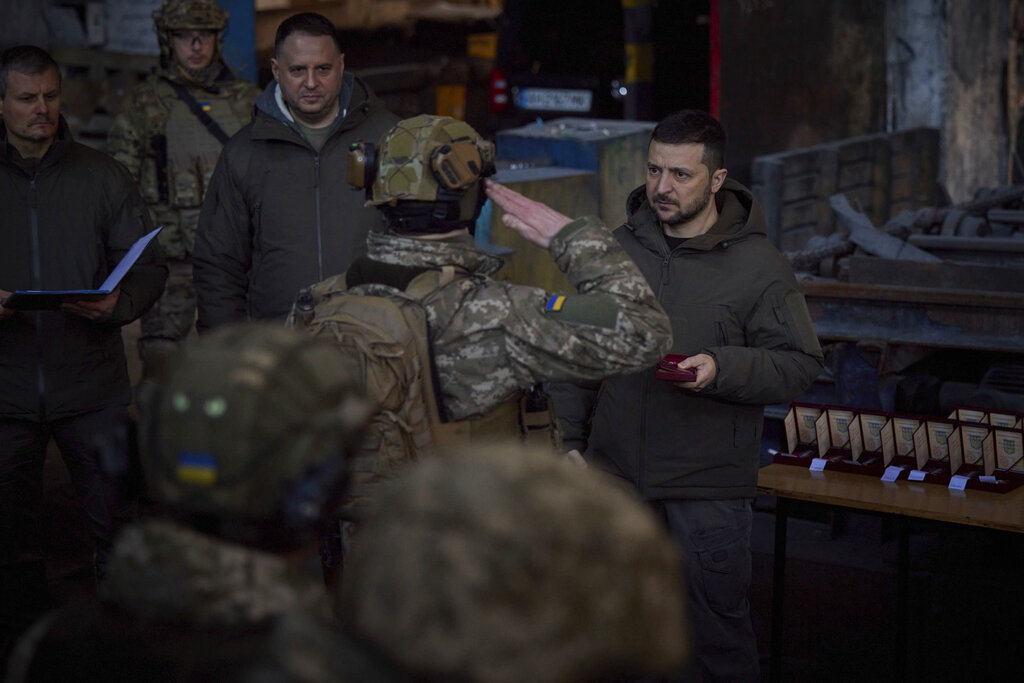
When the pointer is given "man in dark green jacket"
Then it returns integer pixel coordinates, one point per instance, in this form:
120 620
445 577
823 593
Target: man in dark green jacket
278 213
692 448
69 214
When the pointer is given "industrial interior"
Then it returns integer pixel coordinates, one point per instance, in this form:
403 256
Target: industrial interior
884 140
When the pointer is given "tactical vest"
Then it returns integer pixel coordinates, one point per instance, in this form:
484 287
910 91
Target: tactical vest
383 338
180 159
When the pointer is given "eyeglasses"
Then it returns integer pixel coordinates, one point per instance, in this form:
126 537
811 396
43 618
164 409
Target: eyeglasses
204 36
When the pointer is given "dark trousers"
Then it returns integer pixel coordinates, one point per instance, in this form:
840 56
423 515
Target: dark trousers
23 444
715 538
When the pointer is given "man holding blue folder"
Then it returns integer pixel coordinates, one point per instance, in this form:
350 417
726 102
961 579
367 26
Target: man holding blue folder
68 216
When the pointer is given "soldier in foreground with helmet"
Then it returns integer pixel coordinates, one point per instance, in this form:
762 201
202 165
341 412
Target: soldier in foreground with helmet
244 446
491 339
503 565
169 134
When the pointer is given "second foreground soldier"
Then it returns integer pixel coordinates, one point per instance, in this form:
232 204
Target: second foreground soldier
497 564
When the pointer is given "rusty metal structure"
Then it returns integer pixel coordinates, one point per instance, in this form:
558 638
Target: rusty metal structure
919 303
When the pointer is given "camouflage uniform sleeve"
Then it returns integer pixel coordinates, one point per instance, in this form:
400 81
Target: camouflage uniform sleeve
126 137
612 325
614 310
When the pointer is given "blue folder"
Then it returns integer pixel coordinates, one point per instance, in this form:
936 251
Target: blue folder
33 300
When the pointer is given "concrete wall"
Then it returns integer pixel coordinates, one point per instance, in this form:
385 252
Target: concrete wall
975 130
24 22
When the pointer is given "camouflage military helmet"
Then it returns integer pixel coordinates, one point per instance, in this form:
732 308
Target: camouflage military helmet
424 167
175 15
541 572
248 431
190 14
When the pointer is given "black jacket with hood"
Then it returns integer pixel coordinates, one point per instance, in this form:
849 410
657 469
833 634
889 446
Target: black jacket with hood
278 215
65 223
730 294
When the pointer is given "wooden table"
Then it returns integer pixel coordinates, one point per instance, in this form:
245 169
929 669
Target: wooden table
901 499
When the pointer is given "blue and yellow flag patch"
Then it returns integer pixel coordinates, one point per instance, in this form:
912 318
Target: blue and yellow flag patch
196 468
206 106
555 303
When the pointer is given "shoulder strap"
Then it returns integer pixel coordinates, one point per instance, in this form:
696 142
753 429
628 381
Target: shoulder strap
419 288
185 96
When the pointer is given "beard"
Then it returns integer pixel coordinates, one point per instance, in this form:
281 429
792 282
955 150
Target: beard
688 212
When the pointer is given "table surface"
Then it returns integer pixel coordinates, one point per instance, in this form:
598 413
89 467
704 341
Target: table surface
1003 511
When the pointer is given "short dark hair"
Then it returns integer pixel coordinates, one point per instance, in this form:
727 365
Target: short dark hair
306 23
25 59
695 127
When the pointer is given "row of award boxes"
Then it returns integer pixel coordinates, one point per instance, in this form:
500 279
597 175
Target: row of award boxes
982 446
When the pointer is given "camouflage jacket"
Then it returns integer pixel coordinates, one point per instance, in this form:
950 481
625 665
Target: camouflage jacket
169 151
180 606
490 338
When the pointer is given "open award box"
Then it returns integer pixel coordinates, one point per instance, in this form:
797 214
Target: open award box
845 439
970 449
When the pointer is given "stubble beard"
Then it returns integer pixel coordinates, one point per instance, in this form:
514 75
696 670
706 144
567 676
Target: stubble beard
689 212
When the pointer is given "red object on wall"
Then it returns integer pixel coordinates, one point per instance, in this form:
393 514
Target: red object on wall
714 58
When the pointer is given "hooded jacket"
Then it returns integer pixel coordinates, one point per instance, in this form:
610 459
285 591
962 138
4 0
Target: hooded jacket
278 215
66 223
730 294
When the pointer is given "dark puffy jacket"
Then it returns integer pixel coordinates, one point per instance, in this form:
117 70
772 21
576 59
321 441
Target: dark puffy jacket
729 293
278 215
65 224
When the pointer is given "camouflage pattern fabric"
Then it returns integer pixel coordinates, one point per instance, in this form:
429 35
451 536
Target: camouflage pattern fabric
172 156
406 149
182 606
172 317
501 565
216 583
490 339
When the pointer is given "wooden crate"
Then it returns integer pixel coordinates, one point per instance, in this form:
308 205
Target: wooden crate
569 191
615 150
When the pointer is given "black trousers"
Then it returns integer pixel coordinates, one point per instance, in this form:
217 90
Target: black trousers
23 445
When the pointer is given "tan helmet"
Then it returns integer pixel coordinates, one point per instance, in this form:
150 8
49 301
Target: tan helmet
175 15
496 564
248 430
190 14
430 163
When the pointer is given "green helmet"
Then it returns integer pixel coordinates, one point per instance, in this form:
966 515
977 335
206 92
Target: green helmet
247 432
540 571
426 166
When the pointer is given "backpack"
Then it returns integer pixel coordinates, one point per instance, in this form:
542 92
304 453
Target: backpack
381 333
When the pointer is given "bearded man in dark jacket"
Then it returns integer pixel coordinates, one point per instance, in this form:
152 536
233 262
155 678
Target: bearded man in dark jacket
692 448
278 213
70 214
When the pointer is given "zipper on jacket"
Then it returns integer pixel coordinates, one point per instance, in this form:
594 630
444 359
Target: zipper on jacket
37 283
665 263
641 458
319 228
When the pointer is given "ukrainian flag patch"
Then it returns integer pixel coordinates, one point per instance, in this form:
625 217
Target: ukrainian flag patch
206 106
555 303
196 468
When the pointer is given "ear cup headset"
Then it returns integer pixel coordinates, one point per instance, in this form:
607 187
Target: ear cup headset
445 197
